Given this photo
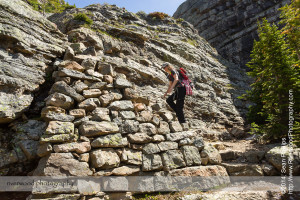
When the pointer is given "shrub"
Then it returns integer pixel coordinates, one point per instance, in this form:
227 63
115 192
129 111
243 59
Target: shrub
84 18
50 6
179 20
274 67
69 6
158 15
192 42
35 4
141 14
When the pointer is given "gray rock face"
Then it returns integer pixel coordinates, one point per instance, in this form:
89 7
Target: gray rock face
29 148
76 75
28 41
229 26
33 129
118 115
217 82
127 115
163 128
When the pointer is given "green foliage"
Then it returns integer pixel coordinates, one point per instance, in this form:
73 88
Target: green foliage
179 20
35 4
158 15
141 14
274 68
50 6
192 42
84 18
291 19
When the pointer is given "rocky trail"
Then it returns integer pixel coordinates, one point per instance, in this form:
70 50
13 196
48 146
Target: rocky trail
85 100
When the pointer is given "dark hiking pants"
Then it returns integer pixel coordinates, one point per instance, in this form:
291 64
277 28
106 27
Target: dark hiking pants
179 96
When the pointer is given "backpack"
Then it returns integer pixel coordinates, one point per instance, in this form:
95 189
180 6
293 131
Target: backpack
186 81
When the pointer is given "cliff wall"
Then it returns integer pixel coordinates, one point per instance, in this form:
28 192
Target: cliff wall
229 26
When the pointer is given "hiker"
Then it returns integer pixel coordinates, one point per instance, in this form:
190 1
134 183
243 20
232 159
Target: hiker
179 94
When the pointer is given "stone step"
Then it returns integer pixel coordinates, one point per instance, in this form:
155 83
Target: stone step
229 155
248 169
251 156
243 169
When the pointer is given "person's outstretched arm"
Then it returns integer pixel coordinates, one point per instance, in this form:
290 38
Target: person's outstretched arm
171 85
168 91
174 82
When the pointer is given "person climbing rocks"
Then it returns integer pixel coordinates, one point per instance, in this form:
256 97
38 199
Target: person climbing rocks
179 92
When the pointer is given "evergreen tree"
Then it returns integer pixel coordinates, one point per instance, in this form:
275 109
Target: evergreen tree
291 20
274 71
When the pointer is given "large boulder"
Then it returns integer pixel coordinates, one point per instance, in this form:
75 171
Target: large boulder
281 156
30 42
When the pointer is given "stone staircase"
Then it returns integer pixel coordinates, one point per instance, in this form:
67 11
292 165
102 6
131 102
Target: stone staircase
241 158
94 127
